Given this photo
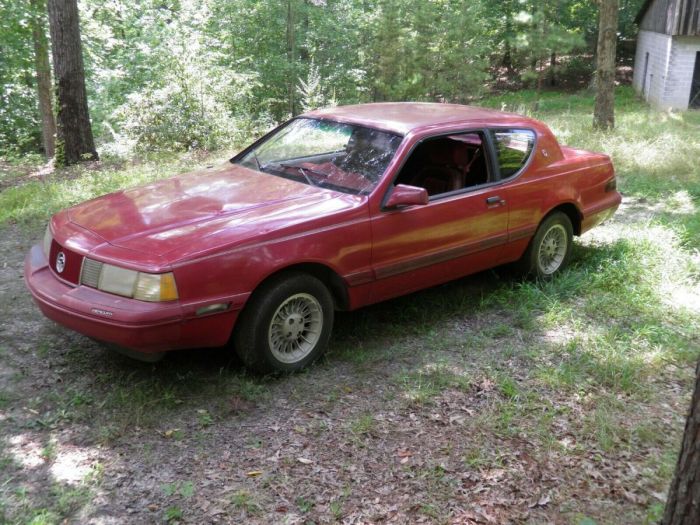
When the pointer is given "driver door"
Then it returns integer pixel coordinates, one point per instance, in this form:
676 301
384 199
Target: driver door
457 233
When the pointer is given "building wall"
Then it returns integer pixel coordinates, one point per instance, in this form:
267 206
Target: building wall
680 71
659 47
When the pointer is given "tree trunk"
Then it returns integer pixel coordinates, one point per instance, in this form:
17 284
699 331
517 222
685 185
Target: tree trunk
507 61
43 76
683 504
557 15
74 138
508 54
552 68
291 57
604 113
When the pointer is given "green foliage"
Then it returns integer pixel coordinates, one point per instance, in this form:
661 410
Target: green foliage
174 118
19 121
311 91
427 50
186 74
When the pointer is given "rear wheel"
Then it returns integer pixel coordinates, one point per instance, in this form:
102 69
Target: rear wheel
286 325
550 248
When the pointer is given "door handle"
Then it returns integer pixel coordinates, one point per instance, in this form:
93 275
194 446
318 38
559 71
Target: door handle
494 200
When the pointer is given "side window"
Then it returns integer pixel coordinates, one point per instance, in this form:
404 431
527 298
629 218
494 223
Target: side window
513 149
447 164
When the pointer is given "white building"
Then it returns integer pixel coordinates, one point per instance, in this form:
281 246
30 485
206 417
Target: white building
667 63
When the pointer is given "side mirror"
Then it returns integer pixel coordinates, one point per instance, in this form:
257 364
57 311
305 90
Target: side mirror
404 195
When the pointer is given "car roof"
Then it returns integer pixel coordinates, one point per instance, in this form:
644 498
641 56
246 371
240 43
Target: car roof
404 117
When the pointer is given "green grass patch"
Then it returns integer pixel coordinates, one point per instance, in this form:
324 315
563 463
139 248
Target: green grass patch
243 500
363 425
145 396
5 399
420 387
611 312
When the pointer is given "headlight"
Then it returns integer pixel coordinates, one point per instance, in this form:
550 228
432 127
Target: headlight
155 287
152 287
117 280
47 240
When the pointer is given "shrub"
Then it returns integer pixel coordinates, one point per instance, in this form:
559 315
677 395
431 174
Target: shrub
192 107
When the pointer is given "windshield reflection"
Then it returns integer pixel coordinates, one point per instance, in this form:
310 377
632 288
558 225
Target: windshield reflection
326 154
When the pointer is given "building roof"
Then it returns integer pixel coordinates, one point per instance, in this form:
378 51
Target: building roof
642 12
671 17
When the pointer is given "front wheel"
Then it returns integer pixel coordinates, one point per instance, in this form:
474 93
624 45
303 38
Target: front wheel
550 248
286 325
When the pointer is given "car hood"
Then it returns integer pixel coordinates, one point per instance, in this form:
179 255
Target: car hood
195 212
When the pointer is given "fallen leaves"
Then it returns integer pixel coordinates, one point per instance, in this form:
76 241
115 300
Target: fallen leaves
543 501
404 454
171 433
239 405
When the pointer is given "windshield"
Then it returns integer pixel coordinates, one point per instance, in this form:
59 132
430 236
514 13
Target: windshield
325 154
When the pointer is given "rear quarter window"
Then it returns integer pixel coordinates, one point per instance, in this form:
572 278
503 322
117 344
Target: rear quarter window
513 149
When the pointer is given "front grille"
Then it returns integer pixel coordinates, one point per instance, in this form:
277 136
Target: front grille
90 274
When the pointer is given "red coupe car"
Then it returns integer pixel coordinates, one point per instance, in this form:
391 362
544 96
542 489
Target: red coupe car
334 210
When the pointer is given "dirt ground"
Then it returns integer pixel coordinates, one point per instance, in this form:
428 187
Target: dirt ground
400 426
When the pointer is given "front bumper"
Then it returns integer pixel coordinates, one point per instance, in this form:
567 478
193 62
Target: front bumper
136 325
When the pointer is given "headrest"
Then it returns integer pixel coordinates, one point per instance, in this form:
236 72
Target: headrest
441 152
460 155
365 138
381 141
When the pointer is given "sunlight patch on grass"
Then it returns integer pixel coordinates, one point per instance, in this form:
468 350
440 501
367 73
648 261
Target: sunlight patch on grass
613 319
26 451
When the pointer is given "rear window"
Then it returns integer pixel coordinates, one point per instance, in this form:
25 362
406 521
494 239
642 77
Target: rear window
513 149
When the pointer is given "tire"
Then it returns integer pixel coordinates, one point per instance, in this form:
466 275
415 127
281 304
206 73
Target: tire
286 324
550 248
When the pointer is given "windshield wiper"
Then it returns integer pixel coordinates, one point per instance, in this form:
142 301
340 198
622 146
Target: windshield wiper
257 161
301 170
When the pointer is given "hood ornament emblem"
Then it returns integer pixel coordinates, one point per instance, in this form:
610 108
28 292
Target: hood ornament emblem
60 262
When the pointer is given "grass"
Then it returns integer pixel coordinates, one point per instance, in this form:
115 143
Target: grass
245 501
142 398
129 395
61 502
420 387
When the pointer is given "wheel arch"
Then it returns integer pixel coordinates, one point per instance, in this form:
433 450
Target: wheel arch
329 277
570 210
